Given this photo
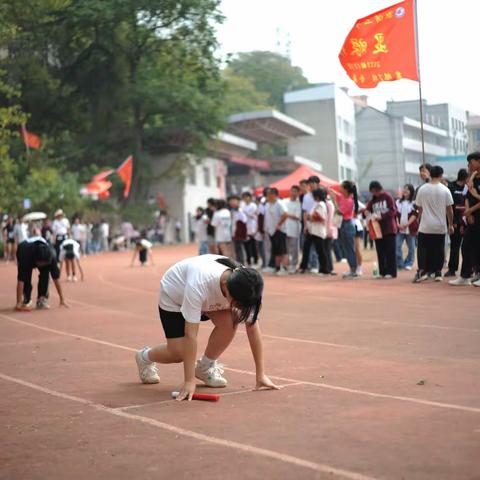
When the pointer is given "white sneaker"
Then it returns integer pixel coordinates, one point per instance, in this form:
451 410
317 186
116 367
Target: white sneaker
388 277
69 278
147 371
211 375
460 282
408 268
282 272
476 284
268 270
359 271
74 279
343 260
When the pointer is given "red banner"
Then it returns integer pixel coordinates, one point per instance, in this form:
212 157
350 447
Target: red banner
125 171
30 139
381 47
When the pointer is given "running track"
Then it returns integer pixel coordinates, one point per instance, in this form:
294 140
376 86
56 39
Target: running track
350 354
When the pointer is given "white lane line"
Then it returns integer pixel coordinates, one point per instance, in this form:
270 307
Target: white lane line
380 322
171 400
265 335
250 449
418 401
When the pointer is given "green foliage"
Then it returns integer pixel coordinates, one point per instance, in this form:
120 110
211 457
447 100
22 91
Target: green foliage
270 73
101 80
241 95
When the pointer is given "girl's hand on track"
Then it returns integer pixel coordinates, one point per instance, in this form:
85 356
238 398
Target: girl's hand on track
264 383
187 391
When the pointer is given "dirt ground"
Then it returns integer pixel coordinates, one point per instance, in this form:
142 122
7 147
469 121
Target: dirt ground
381 381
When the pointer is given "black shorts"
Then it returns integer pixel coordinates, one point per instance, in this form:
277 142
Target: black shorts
142 255
173 323
359 233
279 243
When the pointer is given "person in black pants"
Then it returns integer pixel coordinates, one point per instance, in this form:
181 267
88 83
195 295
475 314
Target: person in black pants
383 209
32 253
457 189
471 239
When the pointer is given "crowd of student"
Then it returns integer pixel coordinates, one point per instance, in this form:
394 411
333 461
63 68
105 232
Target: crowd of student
304 232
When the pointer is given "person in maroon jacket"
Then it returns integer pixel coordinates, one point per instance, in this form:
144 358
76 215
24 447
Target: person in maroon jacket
382 207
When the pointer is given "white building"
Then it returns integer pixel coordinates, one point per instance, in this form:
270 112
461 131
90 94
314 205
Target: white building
331 113
390 148
445 116
473 129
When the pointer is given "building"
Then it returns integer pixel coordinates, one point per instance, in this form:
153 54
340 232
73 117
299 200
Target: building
445 116
389 147
272 131
473 130
331 113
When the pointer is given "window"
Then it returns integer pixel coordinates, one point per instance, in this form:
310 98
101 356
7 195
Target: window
340 146
348 149
453 123
206 176
339 123
193 176
477 135
346 127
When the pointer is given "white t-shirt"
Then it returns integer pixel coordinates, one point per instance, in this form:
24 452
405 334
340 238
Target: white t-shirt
201 228
105 229
273 214
319 229
63 250
404 207
222 221
433 198
250 211
61 226
293 227
192 286
308 202
79 231
20 232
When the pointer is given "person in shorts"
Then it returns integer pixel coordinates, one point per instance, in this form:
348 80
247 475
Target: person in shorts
70 256
206 287
275 216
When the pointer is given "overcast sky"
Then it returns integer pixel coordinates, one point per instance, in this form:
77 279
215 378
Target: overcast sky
449 36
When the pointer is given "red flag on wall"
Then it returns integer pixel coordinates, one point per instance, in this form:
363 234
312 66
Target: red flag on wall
381 47
125 171
30 139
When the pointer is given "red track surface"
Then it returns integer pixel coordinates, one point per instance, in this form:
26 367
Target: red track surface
350 352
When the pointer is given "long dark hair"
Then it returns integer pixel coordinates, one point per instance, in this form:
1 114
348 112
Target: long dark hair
411 191
351 189
245 285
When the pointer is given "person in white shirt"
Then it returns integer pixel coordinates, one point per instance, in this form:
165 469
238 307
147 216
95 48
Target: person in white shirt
239 228
317 219
207 287
275 216
250 209
407 227
293 226
222 222
20 231
200 225
309 259
70 255
79 234
434 201
60 229
104 234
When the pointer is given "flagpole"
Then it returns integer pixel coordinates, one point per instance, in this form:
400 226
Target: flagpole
25 140
419 81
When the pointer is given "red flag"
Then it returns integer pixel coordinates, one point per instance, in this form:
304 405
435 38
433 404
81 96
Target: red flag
125 171
30 139
381 47
102 175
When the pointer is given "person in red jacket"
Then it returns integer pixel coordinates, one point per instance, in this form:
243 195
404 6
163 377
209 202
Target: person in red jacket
382 208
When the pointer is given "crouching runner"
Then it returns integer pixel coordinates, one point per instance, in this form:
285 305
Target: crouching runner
207 287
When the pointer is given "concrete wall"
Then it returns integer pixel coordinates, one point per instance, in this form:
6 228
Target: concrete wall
379 150
185 192
322 147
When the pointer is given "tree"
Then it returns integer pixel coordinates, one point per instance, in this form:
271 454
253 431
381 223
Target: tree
271 73
241 95
106 79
